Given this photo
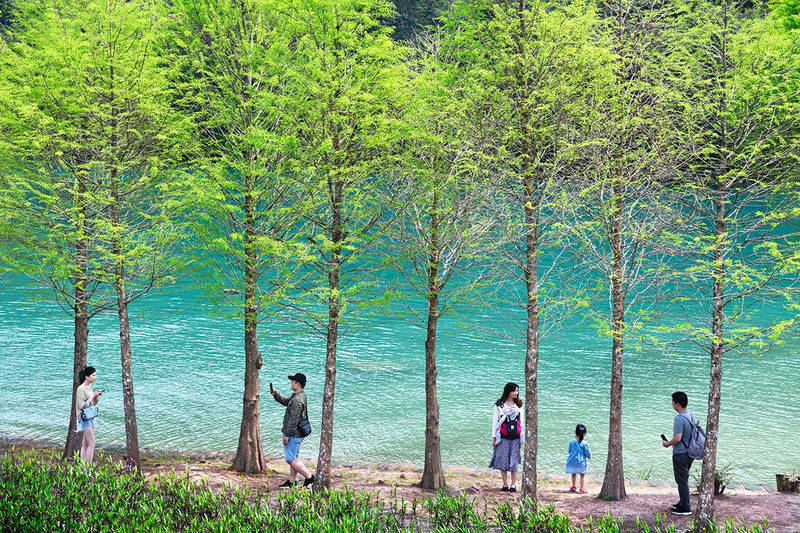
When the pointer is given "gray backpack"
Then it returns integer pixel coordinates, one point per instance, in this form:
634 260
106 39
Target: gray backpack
697 440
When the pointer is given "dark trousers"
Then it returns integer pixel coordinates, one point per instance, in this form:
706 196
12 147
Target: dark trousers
681 463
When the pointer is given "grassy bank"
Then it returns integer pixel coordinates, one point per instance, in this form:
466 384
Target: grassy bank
41 495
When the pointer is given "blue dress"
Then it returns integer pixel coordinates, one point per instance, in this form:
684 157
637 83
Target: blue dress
578 455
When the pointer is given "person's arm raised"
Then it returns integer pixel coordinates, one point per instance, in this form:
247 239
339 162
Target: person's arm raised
283 400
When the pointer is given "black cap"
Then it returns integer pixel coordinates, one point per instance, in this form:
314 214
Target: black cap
300 378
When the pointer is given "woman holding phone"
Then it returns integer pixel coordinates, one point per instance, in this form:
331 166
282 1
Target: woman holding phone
86 397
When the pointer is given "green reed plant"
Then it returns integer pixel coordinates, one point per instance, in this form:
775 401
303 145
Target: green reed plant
532 518
453 512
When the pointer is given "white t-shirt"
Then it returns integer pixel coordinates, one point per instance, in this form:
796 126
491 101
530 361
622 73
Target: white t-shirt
83 398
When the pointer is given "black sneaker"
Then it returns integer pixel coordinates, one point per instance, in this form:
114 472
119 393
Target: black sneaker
684 511
512 489
309 480
286 483
504 489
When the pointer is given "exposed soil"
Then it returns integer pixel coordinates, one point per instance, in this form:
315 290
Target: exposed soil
780 510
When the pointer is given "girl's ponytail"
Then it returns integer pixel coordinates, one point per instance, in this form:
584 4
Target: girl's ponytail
580 431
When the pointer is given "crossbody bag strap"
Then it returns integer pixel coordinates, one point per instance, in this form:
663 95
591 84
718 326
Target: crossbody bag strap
692 424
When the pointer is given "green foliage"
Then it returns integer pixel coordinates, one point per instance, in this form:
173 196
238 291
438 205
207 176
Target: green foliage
527 78
723 475
347 109
44 496
86 106
453 513
235 85
737 191
532 518
787 12
445 239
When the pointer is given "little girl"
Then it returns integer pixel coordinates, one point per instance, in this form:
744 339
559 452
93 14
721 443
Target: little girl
578 456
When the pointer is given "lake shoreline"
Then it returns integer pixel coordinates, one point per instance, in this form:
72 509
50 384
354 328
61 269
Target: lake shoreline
395 481
7 441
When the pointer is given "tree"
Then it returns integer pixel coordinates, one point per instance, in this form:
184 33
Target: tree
613 202
138 136
347 119
107 128
530 64
51 231
240 93
443 242
737 196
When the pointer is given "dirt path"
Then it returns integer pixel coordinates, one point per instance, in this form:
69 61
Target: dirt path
782 511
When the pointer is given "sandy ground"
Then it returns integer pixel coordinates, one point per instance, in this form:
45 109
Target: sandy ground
781 510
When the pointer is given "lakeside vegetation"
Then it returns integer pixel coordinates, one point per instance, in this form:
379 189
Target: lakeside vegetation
635 162
41 495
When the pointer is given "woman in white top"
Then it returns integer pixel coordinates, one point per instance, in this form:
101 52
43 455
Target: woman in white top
85 397
508 435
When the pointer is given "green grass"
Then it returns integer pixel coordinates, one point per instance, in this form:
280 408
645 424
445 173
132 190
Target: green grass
40 495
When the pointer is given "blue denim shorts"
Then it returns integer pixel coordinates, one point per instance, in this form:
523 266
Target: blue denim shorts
292 450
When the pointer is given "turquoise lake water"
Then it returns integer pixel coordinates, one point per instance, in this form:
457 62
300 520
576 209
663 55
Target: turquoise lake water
188 372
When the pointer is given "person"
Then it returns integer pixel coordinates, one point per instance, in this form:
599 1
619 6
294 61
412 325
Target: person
85 397
578 456
506 448
296 410
681 462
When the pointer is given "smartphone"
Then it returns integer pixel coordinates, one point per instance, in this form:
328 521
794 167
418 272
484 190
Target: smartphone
270 386
663 438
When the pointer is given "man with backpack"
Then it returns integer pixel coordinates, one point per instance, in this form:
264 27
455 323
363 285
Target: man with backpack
686 447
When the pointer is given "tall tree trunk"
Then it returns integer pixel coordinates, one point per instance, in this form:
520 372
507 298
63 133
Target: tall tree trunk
614 479
131 428
530 207
81 309
531 347
73 442
250 454
704 514
323 474
432 473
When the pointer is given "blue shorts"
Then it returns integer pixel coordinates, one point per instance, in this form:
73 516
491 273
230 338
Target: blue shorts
292 450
